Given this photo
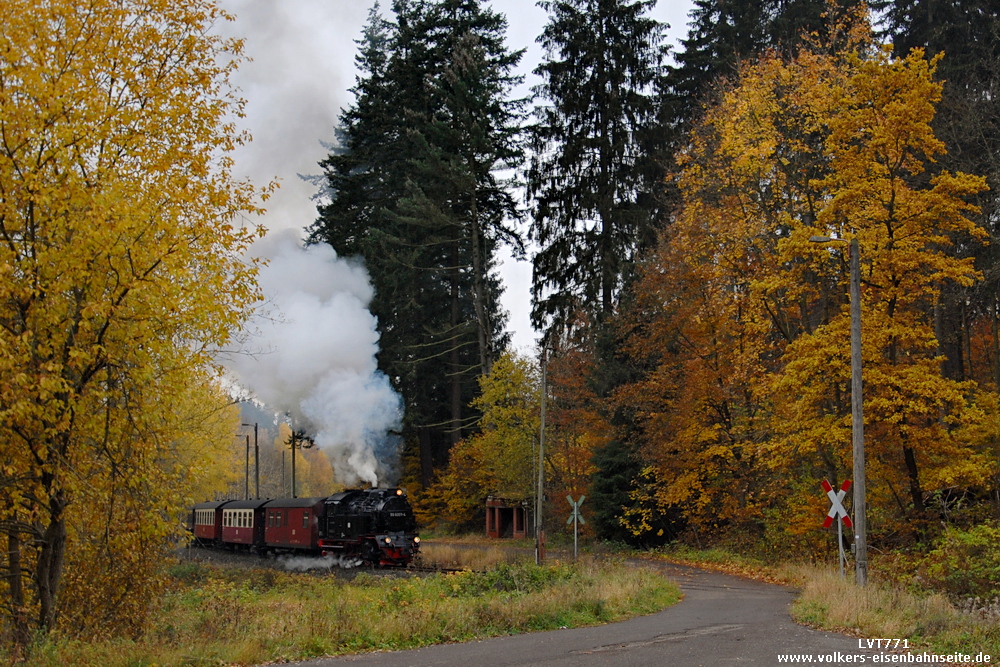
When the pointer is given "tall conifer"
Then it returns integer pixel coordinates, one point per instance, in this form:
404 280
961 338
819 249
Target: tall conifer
589 172
414 191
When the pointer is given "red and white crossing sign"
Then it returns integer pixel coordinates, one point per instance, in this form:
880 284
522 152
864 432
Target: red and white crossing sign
837 511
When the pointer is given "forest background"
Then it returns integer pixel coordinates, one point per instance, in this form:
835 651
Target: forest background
695 341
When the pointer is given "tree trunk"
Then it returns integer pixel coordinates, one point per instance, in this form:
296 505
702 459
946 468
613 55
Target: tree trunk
48 571
479 289
967 345
455 363
426 456
996 345
916 493
18 610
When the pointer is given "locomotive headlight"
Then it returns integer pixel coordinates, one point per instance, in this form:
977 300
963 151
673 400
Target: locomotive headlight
399 492
388 540
416 539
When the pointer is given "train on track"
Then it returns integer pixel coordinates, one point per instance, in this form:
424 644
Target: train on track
375 526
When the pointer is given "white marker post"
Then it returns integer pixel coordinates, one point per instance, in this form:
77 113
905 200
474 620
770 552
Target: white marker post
837 511
575 518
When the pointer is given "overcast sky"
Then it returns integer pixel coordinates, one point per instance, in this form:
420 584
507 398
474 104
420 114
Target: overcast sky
303 65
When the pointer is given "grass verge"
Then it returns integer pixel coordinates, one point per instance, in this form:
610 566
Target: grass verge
216 615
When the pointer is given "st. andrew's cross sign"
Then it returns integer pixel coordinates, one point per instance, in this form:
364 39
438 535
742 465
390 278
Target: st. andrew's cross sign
837 511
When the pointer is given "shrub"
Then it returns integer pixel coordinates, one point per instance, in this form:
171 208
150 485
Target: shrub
965 563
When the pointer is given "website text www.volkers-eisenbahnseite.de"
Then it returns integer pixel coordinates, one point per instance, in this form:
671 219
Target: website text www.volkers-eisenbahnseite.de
839 658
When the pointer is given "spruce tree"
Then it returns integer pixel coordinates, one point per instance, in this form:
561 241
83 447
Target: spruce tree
589 172
414 192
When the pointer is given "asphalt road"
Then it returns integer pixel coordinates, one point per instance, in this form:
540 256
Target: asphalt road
722 620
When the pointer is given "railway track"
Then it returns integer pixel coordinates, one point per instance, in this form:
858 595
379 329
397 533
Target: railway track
317 565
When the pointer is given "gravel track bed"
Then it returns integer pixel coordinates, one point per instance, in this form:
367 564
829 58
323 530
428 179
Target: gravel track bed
312 565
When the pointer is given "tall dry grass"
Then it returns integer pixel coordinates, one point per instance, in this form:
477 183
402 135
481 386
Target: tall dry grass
881 609
217 615
471 556
877 610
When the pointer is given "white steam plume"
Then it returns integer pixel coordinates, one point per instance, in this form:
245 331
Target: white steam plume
307 563
312 356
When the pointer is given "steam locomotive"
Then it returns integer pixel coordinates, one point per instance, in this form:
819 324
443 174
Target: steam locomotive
375 526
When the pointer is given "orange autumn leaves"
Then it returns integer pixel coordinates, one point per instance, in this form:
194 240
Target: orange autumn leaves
742 323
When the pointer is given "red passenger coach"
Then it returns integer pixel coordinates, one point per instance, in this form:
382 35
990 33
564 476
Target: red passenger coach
243 523
291 523
206 521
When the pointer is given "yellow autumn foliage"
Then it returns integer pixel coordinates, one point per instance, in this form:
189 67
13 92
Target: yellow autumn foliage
500 460
121 236
743 323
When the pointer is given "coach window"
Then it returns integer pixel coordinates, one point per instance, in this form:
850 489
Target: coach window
305 519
